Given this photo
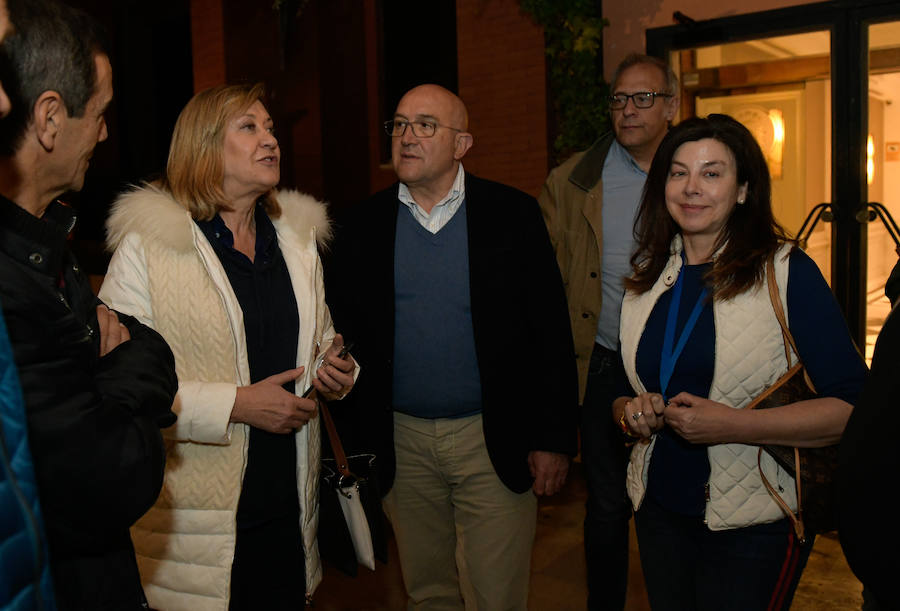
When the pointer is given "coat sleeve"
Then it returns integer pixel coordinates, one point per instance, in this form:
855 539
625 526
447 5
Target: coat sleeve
865 491
549 327
93 421
203 408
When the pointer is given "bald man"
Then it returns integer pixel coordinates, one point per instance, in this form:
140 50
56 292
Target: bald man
449 287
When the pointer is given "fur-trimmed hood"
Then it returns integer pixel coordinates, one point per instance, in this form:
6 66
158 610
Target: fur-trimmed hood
152 213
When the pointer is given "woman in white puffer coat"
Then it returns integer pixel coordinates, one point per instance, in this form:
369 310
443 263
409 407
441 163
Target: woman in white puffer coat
227 270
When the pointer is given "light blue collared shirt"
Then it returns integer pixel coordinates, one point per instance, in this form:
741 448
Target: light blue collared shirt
623 185
444 210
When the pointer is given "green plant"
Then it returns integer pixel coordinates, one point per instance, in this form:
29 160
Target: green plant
573 37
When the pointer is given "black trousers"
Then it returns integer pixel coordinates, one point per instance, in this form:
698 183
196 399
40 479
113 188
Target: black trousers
688 567
269 570
605 458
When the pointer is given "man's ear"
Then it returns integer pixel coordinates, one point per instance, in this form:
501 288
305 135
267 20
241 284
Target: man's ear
49 116
672 107
464 142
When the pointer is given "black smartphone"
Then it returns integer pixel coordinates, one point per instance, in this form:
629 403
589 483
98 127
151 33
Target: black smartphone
343 352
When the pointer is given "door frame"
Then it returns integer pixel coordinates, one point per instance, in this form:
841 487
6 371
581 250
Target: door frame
847 21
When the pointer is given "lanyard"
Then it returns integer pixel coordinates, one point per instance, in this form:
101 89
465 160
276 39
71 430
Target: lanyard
669 357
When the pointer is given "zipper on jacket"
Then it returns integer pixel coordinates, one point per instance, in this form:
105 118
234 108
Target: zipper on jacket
706 498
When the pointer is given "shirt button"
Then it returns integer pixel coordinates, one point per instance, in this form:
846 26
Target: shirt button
593 274
36 258
585 315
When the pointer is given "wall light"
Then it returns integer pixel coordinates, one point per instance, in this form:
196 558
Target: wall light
870 159
776 151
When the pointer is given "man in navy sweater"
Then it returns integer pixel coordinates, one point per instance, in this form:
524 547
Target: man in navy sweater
449 288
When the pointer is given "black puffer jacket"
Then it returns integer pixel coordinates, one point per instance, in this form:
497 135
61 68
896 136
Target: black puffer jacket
93 423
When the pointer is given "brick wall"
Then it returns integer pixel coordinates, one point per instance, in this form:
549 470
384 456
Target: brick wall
501 75
238 42
502 79
208 43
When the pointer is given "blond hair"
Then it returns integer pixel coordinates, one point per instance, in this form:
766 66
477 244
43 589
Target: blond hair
195 171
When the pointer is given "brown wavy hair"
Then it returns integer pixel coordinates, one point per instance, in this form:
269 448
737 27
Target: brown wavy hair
195 171
750 234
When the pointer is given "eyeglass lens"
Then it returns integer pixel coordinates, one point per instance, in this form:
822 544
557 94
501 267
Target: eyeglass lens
420 129
641 99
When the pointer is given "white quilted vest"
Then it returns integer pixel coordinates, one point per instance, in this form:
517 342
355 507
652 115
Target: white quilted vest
749 358
185 543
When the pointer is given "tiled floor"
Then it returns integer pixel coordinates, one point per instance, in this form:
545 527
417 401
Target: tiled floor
558 573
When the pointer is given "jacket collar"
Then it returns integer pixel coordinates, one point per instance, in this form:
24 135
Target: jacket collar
150 212
587 172
37 243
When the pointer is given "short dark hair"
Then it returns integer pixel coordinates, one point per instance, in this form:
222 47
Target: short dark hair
636 59
51 49
750 233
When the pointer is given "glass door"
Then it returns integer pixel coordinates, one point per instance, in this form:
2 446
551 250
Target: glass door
882 169
780 89
819 86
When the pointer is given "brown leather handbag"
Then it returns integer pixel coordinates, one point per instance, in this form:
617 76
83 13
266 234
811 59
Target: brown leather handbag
813 469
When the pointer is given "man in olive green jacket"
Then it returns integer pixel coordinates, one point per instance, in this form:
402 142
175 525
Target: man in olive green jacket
589 205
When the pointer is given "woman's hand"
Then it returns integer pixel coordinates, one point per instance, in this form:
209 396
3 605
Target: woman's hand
268 406
334 378
806 424
644 414
701 420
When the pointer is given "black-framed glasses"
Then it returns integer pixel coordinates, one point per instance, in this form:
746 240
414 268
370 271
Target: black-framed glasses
420 129
640 99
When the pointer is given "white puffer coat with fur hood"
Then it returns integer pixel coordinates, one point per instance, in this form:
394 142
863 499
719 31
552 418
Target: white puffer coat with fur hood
166 274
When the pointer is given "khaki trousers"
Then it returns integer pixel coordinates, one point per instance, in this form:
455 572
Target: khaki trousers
464 538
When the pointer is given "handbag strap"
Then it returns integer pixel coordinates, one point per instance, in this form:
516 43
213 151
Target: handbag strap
789 345
775 298
336 446
796 520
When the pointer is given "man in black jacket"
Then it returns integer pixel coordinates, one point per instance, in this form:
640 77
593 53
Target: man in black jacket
448 286
97 386
24 570
868 467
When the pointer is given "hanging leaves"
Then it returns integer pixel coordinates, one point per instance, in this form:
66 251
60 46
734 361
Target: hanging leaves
573 37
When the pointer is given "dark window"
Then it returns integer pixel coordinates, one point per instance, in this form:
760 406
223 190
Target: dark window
419 46
150 45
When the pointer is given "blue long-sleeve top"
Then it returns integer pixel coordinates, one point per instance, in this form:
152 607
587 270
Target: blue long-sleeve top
679 470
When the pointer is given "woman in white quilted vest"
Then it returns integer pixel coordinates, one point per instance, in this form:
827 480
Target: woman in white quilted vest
227 269
699 340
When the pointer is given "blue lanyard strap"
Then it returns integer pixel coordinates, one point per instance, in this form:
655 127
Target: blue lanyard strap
669 357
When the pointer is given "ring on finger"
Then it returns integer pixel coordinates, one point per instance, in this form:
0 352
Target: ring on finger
636 416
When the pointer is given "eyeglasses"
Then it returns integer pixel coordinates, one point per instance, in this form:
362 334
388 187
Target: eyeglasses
420 129
641 99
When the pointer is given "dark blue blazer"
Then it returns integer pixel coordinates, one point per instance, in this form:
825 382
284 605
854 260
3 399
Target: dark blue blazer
523 339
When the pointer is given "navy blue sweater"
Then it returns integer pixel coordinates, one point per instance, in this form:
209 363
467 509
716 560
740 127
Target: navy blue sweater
435 366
